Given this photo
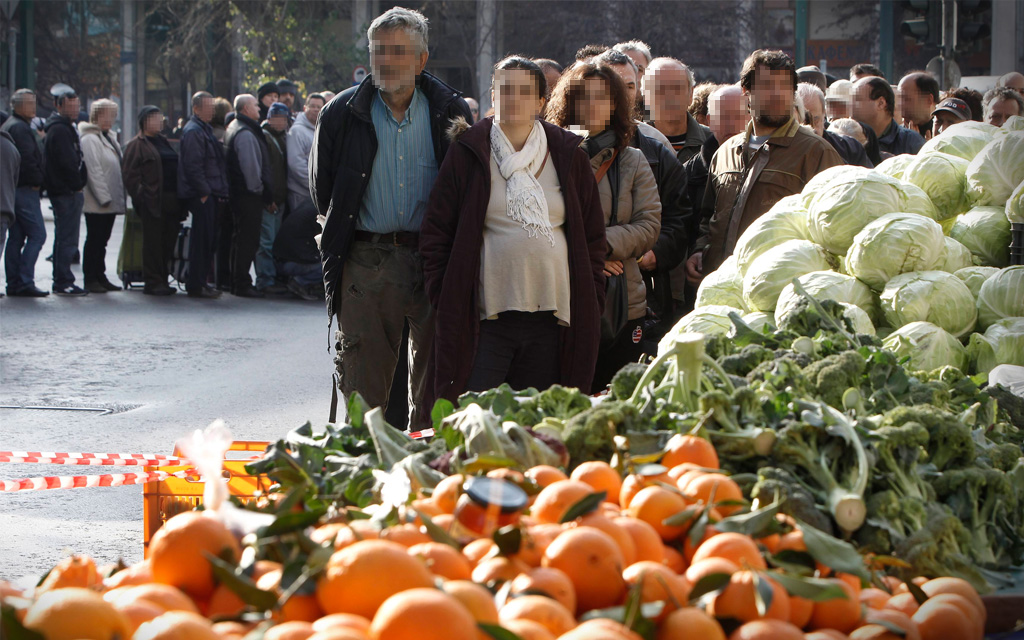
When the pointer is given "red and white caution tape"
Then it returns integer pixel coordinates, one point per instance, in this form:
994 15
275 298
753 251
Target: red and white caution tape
50 457
92 462
78 482
426 433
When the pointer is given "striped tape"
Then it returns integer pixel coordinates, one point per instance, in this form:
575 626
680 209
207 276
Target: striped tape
48 456
80 482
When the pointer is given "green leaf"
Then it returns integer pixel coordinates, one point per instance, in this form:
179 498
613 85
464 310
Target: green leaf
241 585
832 552
651 469
814 589
699 527
751 523
893 628
436 533
509 540
763 594
684 516
797 562
648 610
919 595
711 583
496 631
442 409
288 522
11 627
587 504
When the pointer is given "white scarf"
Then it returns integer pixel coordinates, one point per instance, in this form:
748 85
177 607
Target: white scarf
524 195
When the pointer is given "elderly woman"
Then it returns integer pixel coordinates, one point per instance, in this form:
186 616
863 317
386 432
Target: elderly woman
593 98
104 192
513 248
151 179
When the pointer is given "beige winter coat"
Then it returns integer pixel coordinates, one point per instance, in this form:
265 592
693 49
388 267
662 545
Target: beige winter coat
104 192
638 220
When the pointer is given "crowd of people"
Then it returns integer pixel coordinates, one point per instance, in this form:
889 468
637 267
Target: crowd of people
551 240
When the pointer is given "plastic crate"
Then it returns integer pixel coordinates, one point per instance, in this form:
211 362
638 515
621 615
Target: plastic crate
163 499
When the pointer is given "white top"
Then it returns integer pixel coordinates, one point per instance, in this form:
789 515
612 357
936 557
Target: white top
519 272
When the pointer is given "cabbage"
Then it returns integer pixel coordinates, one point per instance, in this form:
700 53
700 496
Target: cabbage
843 200
997 170
974 277
1015 205
957 256
786 220
895 243
894 166
713 319
769 274
944 178
918 202
826 285
723 286
1014 123
1002 296
928 346
858 318
985 232
932 296
757 320
1002 343
964 140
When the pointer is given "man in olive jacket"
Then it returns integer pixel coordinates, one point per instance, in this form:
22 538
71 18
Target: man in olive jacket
375 155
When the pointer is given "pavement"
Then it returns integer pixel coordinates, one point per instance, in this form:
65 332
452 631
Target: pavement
163 367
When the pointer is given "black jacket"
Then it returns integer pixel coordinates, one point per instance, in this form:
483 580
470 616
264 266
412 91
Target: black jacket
697 170
239 127
296 239
27 141
850 149
64 167
341 161
201 167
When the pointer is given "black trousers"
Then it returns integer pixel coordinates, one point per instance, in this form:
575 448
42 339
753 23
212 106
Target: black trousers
159 235
221 254
94 255
201 240
247 216
613 355
522 349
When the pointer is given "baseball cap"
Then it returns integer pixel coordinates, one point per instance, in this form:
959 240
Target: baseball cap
278 109
956 106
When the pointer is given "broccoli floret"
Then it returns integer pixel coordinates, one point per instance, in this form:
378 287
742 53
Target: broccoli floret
526 413
891 518
806 320
750 356
898 450
1002 456
931 392
736 437
784 372
949 440
833 375
624 382
562 402
976 496
775 483
590 435
936 549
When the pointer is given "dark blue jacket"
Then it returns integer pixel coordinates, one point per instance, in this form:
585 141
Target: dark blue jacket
899 139
63 165
851 150
341 161
201 167
27 141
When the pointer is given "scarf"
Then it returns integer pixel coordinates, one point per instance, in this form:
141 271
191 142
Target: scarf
524 195
600 142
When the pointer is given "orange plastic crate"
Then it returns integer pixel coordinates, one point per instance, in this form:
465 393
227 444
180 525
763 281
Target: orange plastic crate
163 499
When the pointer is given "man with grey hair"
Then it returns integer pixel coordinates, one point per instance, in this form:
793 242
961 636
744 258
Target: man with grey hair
813 101
630 74
1000 104
668 92
638 51
375 156
1013 80
249 179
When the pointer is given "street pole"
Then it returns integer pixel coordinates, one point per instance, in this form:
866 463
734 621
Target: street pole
948 39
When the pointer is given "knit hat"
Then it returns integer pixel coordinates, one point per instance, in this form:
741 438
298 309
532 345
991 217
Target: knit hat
284 85
279 109
144 113
265 88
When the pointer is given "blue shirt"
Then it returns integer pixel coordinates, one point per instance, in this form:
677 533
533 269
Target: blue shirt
403 170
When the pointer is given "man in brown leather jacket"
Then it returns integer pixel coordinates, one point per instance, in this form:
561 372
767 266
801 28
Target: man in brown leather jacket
775 157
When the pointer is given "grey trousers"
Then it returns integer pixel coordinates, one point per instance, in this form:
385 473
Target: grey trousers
382 288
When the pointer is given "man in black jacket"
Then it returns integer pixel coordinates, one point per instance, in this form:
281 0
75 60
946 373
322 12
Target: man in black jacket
64 176
27 233
369 137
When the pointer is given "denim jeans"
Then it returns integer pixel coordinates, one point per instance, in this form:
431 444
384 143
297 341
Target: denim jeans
25 240
67 224
304 274
266 272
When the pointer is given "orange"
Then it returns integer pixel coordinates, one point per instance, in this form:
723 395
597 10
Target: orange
231 630
826 634
72 571
177 625
841 614
300 607
479 549
224 603
139 612
477 600
724 488
342 621
360 577
873 632
289 631
549 582
406 535
339 634
686 448
546 611
904 602
631 485
427 507
536 539
684 479
966 607
176 552
690 623
74 613
443 560
557 498
618 534
646 539
674 560
677 471
738 601
690 549
327 532
873 598
895 617
767 630
593 563
706 567
600 627
544 475
138 573
601 476
353 532
423 614
800 610
497 570
654 505
958 586
164 596
658 583
528 629
942 621
447 493
739 549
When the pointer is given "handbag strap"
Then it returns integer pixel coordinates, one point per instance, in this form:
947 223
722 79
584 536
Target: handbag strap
605 166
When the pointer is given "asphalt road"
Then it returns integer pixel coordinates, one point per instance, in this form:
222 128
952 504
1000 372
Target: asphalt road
165 366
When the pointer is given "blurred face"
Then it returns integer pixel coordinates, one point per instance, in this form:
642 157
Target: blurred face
105 118
943 120
838 108
153 123
70 107
278 123
205 110
516 101
474 108
771 97
727 113
1015 82
640 60
595 107
250 110
815 114
313 107
270 99
864 108
288 99
396 60
1002 109
628 76
668 93
917 106
26 106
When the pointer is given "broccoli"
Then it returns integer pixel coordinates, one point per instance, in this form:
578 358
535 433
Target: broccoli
898 450
676 375
590 435
830 461
774 483
782 373
561 402
890 519
736 437
1001 456
750 356
833 375
976 496
525 413
806 318
624 382
1011 406
949 440
935 550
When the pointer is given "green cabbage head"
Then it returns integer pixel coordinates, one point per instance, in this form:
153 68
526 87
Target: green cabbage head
1002 343
957 256
713 319
964 139
974 277
895 243
826 285
769 274
894 166
985 231
858 318
724 286
933 296
944 178
1002 296
929 347
843 200
786 220
997 170
757 320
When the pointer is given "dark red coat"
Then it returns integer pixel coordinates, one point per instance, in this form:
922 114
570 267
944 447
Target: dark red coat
450 242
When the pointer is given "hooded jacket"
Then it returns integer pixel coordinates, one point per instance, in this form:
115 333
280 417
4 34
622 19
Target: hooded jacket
64 172
30 148
104 192
300 141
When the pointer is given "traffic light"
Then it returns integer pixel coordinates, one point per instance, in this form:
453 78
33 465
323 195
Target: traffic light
925 22
972 27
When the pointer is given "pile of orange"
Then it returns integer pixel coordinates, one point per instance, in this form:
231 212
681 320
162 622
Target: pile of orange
399 584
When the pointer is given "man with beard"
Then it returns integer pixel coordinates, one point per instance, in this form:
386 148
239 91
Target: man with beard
749 173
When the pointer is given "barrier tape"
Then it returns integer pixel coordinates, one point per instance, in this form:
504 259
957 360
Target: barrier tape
426 433
47 456
92 462
79 482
